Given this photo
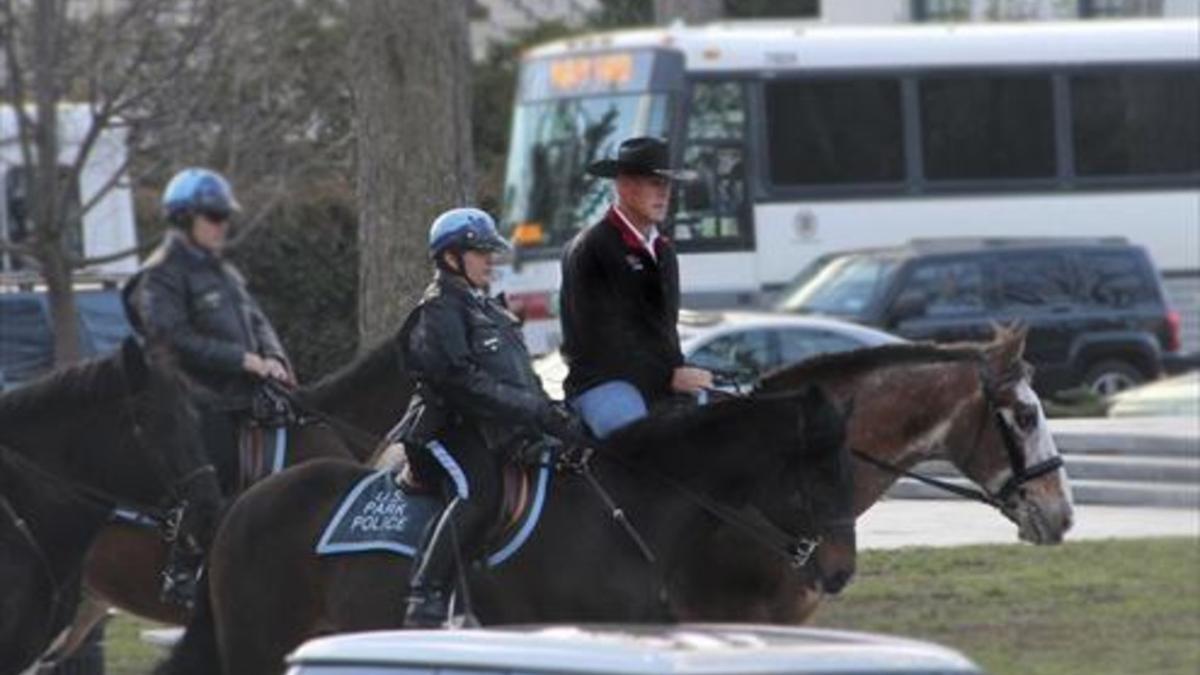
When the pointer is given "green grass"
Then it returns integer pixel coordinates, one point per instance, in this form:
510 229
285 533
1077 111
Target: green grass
1120 607
1129 606
124 652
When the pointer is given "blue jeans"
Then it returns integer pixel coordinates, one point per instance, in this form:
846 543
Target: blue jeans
609 406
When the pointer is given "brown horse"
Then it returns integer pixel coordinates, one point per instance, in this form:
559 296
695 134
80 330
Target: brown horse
970 404
782 456
354 407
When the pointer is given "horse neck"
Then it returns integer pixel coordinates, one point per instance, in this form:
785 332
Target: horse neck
369 394
904 415
735 447
62 522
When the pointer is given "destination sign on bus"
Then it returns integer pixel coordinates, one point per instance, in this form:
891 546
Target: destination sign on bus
586 74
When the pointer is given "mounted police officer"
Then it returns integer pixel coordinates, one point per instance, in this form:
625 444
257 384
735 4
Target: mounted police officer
189 298
620 297
477 399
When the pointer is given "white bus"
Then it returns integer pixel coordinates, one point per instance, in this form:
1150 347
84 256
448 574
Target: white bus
108 227
811 139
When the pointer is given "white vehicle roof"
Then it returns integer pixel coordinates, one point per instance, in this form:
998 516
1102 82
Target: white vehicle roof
1177 396
781 46
636 650
699 324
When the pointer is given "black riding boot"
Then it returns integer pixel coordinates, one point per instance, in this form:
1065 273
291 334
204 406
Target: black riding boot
180 574
429 585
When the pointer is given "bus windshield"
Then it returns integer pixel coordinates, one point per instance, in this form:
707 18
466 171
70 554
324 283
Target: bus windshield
841 286
573 109
548 196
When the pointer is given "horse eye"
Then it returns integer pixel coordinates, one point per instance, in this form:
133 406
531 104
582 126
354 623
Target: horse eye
1026 417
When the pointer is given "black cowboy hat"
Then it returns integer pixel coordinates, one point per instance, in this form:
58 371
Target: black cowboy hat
642 155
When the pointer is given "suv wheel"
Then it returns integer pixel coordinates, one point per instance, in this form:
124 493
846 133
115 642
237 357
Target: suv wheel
1108 377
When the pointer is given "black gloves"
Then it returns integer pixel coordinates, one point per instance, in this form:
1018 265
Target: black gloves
564 425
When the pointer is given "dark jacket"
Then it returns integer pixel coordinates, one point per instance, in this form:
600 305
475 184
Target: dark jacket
619 310
198 304
469 358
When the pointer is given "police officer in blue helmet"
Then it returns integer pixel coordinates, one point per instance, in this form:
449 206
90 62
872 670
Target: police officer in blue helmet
188 298
477 400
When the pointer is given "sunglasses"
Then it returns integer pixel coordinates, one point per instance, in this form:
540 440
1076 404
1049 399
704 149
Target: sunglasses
216 216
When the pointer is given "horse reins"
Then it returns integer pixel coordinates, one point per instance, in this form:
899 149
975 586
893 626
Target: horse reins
347 431
27 534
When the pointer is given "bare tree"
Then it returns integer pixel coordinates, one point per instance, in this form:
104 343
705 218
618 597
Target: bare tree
411 74
190 82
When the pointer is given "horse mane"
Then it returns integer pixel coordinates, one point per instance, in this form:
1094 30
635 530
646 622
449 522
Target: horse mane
382 360
78 385
855 362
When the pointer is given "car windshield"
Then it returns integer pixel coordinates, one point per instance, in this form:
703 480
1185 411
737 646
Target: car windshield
547 193
844 285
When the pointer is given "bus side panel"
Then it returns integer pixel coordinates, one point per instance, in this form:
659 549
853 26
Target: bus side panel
790 235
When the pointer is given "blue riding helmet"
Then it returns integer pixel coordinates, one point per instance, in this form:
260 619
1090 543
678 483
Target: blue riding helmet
194 191
464 229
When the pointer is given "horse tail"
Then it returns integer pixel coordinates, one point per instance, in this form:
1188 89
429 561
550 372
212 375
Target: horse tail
196 653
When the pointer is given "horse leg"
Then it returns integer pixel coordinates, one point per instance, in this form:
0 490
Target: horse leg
269 590
124 566
91 611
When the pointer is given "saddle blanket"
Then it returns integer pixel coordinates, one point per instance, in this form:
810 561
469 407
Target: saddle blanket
377 515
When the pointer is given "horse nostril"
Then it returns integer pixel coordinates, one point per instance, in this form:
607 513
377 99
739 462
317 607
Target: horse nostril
836 582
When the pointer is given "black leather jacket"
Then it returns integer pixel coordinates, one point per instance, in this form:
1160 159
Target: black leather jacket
198 304
619 310
470 361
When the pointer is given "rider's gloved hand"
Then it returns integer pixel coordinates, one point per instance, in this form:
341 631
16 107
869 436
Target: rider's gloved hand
559 422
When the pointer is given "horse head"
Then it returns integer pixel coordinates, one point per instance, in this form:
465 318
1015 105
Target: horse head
817 488
165 426
1014 457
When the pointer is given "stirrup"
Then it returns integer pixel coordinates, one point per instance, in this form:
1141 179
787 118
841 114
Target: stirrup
179 588
427 608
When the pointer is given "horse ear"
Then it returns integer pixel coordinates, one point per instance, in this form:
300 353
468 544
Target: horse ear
1005 352
133 362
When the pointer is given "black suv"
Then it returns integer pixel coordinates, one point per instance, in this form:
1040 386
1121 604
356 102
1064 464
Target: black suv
1095 308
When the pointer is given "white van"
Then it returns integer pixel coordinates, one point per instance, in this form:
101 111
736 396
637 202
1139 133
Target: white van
108 226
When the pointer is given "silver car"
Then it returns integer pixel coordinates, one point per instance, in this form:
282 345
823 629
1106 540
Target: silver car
624 650
741 346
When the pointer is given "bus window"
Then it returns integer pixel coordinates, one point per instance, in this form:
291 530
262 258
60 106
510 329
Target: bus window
1136 122
987 127
713 208
824 132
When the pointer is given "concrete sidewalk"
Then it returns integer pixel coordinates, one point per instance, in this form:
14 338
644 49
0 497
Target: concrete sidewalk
896 523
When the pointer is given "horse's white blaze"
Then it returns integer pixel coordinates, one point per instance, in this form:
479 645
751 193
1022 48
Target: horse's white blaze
1038 446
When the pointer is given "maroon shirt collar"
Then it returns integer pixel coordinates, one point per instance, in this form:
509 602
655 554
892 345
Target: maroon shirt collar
630 238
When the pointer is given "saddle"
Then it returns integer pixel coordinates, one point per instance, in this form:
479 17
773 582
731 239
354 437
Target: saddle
518 476
262 452
388 510
263 435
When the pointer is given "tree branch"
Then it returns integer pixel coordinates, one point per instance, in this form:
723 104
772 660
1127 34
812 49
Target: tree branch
139 250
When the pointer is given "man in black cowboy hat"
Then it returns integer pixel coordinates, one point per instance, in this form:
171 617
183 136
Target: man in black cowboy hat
620 297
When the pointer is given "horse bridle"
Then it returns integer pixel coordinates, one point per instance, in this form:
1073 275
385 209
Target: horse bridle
1021 474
